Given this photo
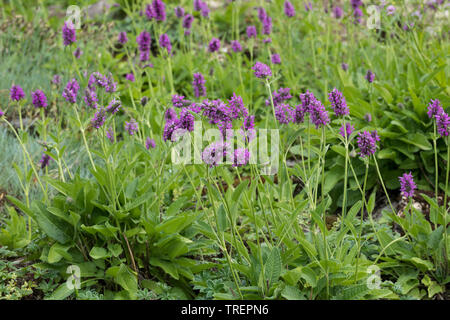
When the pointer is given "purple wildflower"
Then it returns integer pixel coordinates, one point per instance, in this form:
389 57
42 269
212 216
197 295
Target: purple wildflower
149 12
16 93
159 10
267 40
68 34
199 85
251 32
236 46
169 130
443 124
338 103
179 101
248 128
214 154
179 12
131 127
186 120
170 115
96 78
130 77
407 185
262 71
90 98
308 6
289 9
237 108
144 101
367 144
279 96
110 135
197 5
390 10
99 118
319 116
214 45
77 53
204 10
241 157
267 25
338 12
299 114
187 21
144 41
434 108
56 79
111 86
344 66
262 14
370 76
71 91
368 117
164 42
357 14
122 38
284 113
113 106
276 58
1 113
150 143
347 131
308 100
45 160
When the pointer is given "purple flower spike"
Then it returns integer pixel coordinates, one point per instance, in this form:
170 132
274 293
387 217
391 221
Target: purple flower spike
390 10
179 12
276 58
370 76
443 124
236 46
131 127
199 85
299 114
144 41
110 135
77 53
251 32
1 113
241 157
186 120
68 34
289 9
179 101
99 118
39 99
344 66
338 12
187 21
214 45
319 116
407 185
164 42
338 103
284 113
267 25
261 70
71 91
308 100
159 10
130 77
214 154
122 38
367 143
16 93
434 108
45 160
150 143
56 79
113 106
348 130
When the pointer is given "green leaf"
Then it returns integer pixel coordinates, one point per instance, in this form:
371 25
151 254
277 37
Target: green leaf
99 253
273 266
292 293
126 279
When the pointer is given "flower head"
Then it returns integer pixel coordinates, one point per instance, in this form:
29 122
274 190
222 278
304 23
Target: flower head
370 76
214 154
110 135
261 70
56 79
186 120
251 32
131 127
39 99
45 160
241 157
199 85
284 113
308 100
99 118
164 42
367 143
390 10
1 113
179 101
289 9
236 46
237 108
338 12
214 45
158 10
319 116
16 93
434 108
122 38
71 91
113 106
179 12
144 40
130 77
344 66
407 185
266 25
68 34
150 143
443 124
338 103
187 21
276 58
347 131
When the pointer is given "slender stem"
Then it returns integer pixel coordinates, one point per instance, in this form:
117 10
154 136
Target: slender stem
361 221
382 184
